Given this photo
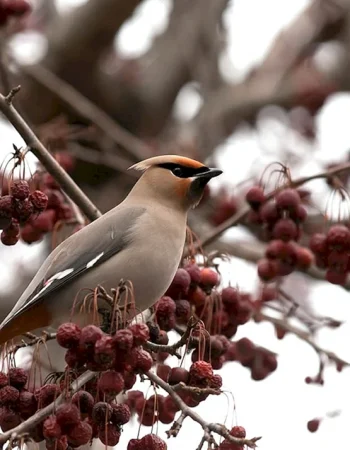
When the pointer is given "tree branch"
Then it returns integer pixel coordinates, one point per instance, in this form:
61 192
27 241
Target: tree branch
207 427
46 159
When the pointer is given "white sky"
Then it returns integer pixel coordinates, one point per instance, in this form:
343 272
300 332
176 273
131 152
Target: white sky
279 407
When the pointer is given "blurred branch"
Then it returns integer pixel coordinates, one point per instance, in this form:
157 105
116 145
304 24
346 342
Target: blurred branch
46 159
135 149
285 325
281 79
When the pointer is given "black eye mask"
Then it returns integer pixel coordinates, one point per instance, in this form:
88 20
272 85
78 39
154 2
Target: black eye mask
183 171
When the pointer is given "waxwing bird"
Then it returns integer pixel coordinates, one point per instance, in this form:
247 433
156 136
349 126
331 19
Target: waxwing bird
140 240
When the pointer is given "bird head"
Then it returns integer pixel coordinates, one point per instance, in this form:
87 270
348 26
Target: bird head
175 179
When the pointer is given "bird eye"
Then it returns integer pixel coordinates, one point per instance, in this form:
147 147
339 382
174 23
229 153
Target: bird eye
177 172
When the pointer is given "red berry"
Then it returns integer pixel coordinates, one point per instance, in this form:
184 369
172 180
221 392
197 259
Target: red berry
129 380
285 229
67 415
89 336
121 414
68 335
111 382
47 394
17 377
183 311
102 413
20 189
335 277
152 442
45 221
269 213
318 243
134 444
29 234
194 272
197 296
13 229
109 435
6 210
180 284
178 375
209 278
140 333
8 419
39 200
3 379
305 258
140 360
8 239
201 373
288 199
8 395
266 270
255 197
338 238
163 371
104 352
84 401
313 425
123 340
51 429
18 7
79 434
238 432
216 382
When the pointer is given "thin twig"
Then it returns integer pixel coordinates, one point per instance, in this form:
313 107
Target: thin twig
46 159
207 426
172 349
39 416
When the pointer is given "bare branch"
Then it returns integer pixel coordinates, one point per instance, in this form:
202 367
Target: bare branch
187 411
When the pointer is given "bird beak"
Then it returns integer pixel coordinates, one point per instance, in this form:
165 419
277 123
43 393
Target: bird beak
211 173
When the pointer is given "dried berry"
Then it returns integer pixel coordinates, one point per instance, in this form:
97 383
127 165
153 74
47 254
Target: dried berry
255 197
201 373
8 395
20 189
111 382
27 404
109 435
8 419
17 377
104 352
152 442
178 375
51 428
101 413
67 415
180 284
79 434
89 336
84 401
140 332
123 340
68 335
39 200
121 414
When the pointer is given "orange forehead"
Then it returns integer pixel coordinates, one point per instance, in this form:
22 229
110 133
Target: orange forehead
163 159
187 162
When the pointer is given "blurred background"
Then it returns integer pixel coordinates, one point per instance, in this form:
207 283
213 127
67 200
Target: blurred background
241 84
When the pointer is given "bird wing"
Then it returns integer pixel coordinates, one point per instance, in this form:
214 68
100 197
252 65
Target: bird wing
84 250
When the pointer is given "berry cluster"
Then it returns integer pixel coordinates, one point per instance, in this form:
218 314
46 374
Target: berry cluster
332 251
91 348
13 8
236 431
19 208
281 219
226 206
260 361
